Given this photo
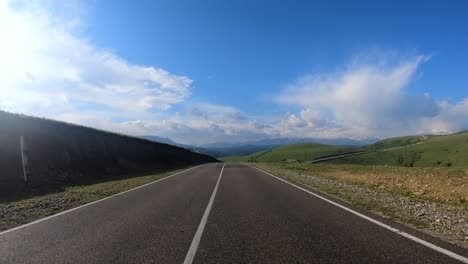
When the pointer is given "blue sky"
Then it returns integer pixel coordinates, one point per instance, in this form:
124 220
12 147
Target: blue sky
205 71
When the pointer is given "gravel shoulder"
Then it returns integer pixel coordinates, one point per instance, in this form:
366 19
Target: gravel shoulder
23 211
448 221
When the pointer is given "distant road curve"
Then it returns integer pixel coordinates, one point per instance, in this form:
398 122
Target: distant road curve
337 157
340 156
238 214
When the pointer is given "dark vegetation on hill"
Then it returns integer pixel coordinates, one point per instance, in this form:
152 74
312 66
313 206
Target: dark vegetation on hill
60 154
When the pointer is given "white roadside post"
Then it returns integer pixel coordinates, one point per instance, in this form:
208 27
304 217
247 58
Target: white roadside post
24 160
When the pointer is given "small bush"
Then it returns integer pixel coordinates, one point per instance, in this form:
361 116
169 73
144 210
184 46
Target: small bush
408 159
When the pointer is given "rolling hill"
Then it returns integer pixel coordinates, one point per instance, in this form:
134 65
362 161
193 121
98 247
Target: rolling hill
409 151
298 152
428 151
396 142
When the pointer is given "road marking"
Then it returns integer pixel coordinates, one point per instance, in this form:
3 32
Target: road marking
196 239
84 205
395 230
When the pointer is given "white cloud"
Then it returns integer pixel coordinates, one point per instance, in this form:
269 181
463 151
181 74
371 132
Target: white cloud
202 123
47 68
452 118
368 99
365 100
218 113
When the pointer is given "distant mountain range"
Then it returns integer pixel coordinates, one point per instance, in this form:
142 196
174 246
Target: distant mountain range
223 149
288 141
161 140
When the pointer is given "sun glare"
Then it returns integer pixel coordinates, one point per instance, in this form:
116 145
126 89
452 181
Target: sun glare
21 43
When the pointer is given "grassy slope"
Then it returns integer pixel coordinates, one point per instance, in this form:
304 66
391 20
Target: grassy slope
300 152
396 142
409 151
435 151
61 154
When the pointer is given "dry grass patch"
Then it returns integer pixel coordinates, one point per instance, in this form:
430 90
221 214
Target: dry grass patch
444 185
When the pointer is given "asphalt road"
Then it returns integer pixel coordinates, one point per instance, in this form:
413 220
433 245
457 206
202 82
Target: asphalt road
235 215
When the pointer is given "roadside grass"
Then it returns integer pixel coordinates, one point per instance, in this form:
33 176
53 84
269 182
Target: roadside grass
19 212
442 185
426 198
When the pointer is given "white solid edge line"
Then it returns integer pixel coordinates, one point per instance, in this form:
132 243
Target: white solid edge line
196 239
395 230
84 205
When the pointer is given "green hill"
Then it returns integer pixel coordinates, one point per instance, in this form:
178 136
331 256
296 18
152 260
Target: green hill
427 151
409 151
396 142
299 152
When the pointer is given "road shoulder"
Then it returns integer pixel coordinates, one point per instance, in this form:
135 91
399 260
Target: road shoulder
348 196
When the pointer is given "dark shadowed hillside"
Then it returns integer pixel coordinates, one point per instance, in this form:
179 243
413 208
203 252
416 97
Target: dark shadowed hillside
59 153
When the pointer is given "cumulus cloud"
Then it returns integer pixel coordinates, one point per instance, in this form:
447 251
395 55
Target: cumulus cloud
452 118
218 113
199 123
205 123
368 98
47 68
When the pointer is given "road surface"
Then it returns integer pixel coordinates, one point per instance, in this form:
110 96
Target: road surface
213 215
